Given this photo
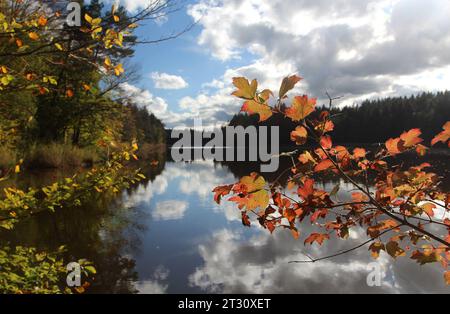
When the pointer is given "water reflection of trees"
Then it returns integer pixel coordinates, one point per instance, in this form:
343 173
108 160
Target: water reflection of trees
106 232
440 165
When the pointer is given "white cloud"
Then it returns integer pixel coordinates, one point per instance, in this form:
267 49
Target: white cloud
168 81
170 210
144 99
156 285
351 48
260 264
134 5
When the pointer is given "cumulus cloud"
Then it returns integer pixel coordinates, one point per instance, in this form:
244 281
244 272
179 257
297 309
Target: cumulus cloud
135 5
156 284
261 265
144 99
168 81
356 49
170 210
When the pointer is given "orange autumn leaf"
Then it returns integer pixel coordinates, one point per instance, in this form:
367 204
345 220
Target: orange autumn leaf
307 189
42 21
69 93
245 89
392 146
444 136
324 165
325 127
359 153
359 197
447 277
301 108
253 200
221 191
306 157
421 150
428 208
299 136
33 35
375 249
411 138
317 237
326 142
254 107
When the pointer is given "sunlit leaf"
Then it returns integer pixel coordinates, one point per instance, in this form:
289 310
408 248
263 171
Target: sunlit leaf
302 107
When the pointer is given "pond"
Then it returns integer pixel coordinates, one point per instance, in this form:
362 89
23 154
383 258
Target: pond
167 235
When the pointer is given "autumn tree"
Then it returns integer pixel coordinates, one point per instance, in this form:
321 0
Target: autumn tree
404 213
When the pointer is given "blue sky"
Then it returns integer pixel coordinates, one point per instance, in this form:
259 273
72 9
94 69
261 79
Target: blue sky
351 48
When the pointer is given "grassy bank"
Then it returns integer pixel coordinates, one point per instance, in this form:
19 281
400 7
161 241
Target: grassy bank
62 156
55 156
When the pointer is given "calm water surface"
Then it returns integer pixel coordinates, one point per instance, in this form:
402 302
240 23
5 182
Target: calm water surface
168 236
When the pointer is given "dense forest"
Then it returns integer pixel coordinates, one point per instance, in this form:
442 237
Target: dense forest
63 104
373 121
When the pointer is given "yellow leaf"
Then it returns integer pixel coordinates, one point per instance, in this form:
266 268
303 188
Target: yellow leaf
58 46
96 21
245 89
253 183
88 18
108 62
17 169
116 19
119 70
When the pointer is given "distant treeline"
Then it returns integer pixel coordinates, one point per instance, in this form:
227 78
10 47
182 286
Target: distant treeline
373 121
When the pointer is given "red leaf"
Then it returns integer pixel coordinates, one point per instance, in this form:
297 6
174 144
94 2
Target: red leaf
443 136
324 165
307 189
326 142
221 191
246 220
